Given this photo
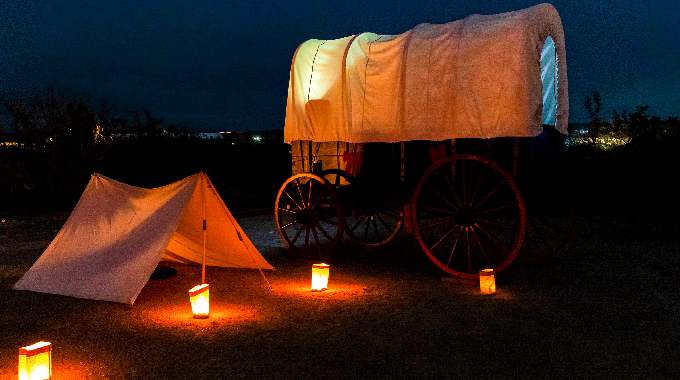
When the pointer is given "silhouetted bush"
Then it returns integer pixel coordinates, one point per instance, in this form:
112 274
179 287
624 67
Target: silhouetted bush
58 142
61 141
638 177
246 175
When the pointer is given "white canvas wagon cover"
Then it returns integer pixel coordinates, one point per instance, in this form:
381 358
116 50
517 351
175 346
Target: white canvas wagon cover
480 77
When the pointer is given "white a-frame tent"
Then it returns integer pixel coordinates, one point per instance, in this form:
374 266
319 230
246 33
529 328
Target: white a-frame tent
117 234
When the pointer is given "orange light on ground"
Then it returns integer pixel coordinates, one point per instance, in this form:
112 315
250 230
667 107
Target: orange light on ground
320 277
35 361
487 282
341 291
200 306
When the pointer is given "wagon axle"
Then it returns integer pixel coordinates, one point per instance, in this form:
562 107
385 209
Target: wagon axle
466 216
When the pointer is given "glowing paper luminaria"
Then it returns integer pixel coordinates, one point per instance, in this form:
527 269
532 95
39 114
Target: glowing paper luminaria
487 282
319 277
35 361
200 306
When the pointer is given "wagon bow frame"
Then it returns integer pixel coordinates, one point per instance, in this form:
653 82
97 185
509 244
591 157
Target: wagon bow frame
356 99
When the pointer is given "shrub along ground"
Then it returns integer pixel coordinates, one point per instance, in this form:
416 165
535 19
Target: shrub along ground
246 175
636 178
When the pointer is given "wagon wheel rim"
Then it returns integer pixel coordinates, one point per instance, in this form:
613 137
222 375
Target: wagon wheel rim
369 226
308 214
375 229
468 215
548 232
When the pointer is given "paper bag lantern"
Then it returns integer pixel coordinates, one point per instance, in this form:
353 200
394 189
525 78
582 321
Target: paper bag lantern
319 277
35 361
487 282
198 295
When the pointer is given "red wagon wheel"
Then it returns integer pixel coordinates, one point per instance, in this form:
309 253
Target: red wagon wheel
551 223
308 213
468 215
371 224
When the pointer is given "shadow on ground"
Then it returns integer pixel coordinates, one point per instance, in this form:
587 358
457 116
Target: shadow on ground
608 307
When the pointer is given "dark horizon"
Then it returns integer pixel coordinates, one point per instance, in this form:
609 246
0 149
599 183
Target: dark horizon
226 66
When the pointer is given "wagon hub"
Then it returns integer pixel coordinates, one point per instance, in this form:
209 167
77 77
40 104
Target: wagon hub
466 216
304 216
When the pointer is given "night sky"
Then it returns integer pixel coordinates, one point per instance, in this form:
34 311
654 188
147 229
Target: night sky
224 65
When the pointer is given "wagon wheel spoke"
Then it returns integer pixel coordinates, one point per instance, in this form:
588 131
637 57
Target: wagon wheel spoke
483 202
361 219
479 183
495 233
302 198
499 224
549 225
469 256
316 214
369 228
543 238
368 225
325 234
317 198
539 231
486 257
316 236
490 194
451 187
374 229
436 209
442 238
288 225
499 208
382 221
297 234
460 230
291 198
337 182
494 240
543 225
289 210
394 214
442 196
447 220
330 221
375 226
306 236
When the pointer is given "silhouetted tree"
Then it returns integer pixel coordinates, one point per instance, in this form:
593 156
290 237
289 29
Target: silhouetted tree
593 105
63 139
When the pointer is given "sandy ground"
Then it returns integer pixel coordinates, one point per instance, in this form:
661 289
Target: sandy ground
608 307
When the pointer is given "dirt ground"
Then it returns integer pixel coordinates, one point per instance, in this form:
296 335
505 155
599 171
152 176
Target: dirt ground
607 308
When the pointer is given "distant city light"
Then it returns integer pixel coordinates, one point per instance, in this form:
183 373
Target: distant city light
603 142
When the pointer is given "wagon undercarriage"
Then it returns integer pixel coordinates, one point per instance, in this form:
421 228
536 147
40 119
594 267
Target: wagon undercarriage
432 132
467 211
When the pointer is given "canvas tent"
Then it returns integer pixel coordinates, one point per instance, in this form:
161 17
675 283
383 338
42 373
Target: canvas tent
117 234
480 77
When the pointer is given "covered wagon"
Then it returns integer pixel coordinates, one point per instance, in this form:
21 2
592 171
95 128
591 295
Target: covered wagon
385 132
